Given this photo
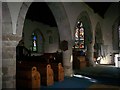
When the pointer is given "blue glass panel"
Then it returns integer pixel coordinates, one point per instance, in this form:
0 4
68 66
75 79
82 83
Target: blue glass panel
34 38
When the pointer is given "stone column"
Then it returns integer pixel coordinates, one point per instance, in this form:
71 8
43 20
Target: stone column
67 60
0 45
9 60
90 54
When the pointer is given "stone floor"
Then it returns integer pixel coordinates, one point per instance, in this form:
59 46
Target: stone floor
104 74
100 71
103 87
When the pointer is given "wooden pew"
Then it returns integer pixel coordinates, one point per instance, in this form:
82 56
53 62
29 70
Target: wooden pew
79 60
42 63
82 61
35 79
45 70
53 57
47 76
27 77
55 60
58 71
61 72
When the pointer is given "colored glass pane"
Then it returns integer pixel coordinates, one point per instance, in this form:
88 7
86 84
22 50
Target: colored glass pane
79 35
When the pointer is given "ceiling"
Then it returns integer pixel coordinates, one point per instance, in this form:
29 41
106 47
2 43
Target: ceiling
99 7
41 12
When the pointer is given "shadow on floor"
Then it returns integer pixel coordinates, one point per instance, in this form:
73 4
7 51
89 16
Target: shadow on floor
103 74
99 77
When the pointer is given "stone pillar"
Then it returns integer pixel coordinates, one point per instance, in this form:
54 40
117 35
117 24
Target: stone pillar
0 45
90 54
9 60
67 60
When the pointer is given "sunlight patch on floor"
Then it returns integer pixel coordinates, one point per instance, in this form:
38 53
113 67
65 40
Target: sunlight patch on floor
81 76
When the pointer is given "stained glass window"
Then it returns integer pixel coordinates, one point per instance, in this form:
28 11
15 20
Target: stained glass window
34 42
79 35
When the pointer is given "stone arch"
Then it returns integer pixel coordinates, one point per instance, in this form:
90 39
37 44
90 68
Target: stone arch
98 42
63 25
6 19
84 17
115 34
61 20
21 18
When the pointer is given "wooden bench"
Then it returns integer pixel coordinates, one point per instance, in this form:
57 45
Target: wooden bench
35 79
43 68
27 77
58 71
47 76
82 61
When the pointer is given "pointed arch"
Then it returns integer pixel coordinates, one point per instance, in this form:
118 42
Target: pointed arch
59 14
63 25
115 34
98 41
6 19
38 39
84 18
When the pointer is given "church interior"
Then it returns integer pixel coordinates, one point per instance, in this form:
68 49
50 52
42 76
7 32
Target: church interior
60 45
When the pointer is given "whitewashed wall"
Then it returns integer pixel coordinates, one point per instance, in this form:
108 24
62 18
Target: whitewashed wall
110 17
31 26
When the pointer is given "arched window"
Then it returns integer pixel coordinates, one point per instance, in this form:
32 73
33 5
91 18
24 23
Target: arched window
79 36
34 42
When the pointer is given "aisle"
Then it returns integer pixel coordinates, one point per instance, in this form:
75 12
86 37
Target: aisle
71 82
100 71
90 77
82 83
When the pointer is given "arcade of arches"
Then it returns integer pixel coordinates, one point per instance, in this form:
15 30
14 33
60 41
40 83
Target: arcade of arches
78 30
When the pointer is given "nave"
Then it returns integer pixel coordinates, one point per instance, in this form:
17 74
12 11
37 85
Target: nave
101 76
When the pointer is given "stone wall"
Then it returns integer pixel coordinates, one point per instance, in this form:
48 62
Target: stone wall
0 45
9 43
66 16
